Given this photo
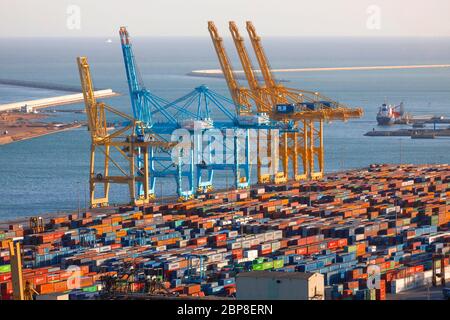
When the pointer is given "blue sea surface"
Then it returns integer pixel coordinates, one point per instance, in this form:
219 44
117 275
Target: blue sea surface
50 173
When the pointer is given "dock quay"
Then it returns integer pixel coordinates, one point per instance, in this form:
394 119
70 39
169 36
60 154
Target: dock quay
55 101
217 73
393 217
413 133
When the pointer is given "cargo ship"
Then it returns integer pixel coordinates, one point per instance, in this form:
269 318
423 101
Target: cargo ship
389 114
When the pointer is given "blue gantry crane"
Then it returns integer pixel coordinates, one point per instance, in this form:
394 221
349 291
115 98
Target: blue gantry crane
144 106
193 112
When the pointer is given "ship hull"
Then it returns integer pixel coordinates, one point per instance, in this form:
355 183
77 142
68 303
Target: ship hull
385 121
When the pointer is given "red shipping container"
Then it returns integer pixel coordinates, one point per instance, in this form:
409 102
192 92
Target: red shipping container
332 244
221 237
191 289
4 277
40 280
418 268
342 242
199 241
302 250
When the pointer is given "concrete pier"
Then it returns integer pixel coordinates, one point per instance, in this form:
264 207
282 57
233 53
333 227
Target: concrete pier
55 101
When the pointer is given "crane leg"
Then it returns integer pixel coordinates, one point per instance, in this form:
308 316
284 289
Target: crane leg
106 171
317 151
16 270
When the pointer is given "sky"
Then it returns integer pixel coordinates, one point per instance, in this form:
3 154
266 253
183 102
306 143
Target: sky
67 18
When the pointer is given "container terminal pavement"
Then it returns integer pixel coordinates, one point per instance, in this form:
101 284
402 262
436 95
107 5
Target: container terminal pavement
389 216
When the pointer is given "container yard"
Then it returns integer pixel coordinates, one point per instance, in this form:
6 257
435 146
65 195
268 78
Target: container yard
393 217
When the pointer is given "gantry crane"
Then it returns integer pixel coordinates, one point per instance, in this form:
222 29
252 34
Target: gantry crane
195 111
296 109
144 106
119 146
291 105
289 143
242 98
21 290
37 224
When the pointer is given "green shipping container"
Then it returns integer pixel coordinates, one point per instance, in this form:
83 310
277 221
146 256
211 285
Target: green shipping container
278 264
257 267
5 268
350 248
178 223
268 265
90 289
2 236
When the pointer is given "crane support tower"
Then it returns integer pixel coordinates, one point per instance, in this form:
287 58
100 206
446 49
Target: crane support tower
16 270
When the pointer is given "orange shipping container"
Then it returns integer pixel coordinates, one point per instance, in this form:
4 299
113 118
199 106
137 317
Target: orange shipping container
60 286
45 288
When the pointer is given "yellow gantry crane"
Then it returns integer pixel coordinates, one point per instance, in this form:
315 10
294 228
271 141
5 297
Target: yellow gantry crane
242 98
301 108
310 145
124 142
21 291
37 224
292 143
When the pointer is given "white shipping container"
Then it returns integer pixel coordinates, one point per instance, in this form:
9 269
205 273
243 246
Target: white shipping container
222 264
182 243
173 266
268 236
235 245
246 244
407 183
276 245
99 262
251 254
261 237
390 209
105 249
232 234
277 235
216 257
360 237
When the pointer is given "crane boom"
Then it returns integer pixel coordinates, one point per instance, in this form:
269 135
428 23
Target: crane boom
245 59
332 110
134 82
95 115
237 94
261 57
